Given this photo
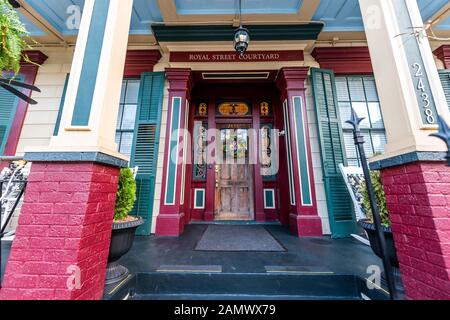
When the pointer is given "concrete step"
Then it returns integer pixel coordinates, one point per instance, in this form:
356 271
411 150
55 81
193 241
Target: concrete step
238 286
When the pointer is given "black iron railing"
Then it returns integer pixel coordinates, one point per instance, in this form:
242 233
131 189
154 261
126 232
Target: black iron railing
12 188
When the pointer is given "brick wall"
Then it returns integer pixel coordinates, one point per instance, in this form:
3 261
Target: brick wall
418 197
65 224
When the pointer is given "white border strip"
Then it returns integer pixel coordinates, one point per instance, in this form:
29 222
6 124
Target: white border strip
203 200
170 155
185 152
289 152
273 199
298 152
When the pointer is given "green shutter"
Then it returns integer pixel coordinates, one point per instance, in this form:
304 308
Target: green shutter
445 79
8 107
146 144
340 208
61 107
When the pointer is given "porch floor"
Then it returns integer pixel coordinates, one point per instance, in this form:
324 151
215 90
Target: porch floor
331 263
340 256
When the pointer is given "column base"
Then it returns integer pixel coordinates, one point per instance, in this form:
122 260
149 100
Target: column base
170 225
261 217
418 200
305 226
62 241
209 216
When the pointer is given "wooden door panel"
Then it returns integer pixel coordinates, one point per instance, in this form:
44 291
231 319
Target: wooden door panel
234 181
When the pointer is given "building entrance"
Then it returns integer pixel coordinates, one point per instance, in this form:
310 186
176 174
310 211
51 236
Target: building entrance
234 196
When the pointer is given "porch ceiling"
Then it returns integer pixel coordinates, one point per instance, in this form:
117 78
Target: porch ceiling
45 18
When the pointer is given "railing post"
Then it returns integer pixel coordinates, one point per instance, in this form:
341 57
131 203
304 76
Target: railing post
359 142
444 135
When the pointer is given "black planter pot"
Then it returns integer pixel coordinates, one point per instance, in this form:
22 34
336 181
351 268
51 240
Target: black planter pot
122 239
372 234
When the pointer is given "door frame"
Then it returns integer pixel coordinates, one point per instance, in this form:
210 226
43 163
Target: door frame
247 125
253 93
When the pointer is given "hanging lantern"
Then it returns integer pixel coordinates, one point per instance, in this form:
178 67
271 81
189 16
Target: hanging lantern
241 40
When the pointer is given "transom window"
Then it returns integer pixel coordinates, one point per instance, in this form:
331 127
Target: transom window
127 115
360 92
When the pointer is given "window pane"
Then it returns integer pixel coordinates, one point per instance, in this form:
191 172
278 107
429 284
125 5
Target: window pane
119 118
350 148
342 89
124 89
371 89
132 92
379 141
345 114
118 135
129 117
126 144
368 148
375 115
353 162
356 87
361 111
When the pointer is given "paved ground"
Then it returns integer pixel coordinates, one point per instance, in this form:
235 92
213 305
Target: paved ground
341 256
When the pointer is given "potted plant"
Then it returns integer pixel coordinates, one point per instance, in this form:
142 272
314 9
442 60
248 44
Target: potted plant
368 224
124 227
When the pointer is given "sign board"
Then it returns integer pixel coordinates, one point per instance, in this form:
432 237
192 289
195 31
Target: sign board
232 56
419 74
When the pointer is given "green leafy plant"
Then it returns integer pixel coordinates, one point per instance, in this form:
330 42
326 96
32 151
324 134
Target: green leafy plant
13 35
380 197
126 194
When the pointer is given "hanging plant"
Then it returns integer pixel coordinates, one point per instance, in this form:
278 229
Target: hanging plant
13 35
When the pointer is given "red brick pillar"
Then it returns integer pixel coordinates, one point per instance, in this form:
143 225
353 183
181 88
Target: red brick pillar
418 199
62 242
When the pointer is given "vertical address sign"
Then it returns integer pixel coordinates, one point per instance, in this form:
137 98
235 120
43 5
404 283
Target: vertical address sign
419 76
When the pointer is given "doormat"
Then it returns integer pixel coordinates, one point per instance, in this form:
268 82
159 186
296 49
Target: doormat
238 239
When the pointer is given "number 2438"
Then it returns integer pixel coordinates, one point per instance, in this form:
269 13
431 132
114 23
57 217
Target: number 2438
425 97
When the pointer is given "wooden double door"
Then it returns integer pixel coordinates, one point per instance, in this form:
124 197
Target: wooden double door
234 194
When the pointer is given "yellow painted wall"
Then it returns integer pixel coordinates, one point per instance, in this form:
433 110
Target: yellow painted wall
41 118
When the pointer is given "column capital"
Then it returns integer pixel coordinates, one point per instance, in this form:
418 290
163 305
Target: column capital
292 78
344 60
180 79
36 57
443 54
140 61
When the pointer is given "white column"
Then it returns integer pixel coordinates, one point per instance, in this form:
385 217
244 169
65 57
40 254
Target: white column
89 118
408 83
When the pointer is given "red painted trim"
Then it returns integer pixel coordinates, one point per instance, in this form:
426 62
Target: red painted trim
171 220
256 92
291 83
29 71
140 61
210 193
443 54
258 189
344 60
232 56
